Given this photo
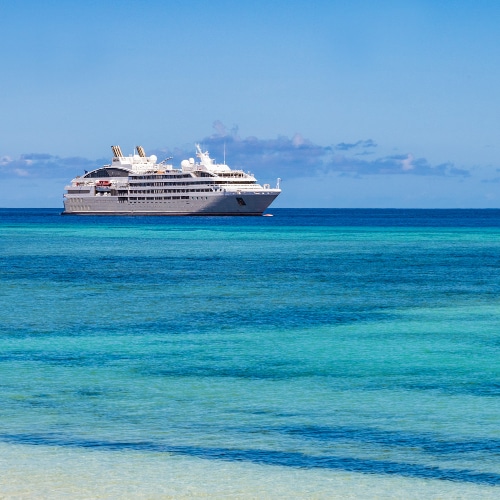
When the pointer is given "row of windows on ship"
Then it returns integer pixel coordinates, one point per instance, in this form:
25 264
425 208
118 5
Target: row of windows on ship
161 191
161 198
211 183
78 201
169 176
197 173
118 172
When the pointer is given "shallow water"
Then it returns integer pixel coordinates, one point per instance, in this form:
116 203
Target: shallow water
342 346
57 473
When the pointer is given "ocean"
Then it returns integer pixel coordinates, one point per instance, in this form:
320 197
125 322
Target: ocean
318 353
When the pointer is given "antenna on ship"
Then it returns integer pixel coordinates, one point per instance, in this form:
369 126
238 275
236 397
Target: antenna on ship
165 160
224 152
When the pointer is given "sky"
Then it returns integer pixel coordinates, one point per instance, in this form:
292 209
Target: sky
359 104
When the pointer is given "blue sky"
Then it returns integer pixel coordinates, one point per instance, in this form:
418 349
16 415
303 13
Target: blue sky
352 104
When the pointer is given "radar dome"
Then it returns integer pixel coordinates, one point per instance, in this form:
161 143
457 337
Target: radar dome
185 163
153 158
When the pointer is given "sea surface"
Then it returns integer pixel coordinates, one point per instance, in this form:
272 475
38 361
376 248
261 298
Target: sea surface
313 354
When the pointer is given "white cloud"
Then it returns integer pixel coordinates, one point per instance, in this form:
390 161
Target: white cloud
21 172
407 164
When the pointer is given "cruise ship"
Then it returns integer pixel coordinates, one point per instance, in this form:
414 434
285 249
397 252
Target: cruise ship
139 185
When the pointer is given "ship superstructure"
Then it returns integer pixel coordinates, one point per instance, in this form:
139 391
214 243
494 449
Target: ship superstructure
139 185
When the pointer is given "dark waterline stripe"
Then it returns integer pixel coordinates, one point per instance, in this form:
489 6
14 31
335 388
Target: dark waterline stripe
427 443
268 457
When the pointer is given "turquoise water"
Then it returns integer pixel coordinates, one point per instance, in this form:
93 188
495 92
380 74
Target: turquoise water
343 341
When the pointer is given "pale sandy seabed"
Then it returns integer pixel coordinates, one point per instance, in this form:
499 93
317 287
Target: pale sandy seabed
50 472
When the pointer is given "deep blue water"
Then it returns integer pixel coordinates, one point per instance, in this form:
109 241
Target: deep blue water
358 340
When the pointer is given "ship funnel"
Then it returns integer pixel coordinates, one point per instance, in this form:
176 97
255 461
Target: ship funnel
140 151
117 151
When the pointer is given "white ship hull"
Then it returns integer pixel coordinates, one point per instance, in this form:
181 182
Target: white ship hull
217 204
